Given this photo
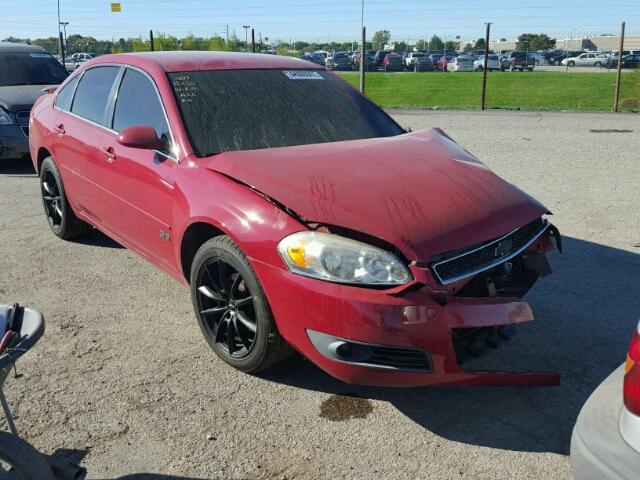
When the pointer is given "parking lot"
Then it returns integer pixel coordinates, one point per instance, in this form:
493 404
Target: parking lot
124 380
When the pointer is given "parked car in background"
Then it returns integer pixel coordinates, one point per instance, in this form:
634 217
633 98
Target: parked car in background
411 57
393 63
493 63
379 57
587 59
423 64
315 57
518 61
338 61
234 211
370 64
24 71
631 61
606 438
461 63
80 58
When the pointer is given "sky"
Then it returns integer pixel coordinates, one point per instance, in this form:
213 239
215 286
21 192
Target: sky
315 20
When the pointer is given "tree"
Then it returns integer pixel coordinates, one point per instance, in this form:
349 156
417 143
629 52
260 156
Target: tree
468 48
479 45
435 43
401 47
380 38
531 42
451 45
217 43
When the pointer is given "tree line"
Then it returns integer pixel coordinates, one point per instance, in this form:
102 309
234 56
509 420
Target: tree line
380 39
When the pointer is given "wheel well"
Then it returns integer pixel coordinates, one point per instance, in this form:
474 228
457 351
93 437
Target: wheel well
196 234
42 154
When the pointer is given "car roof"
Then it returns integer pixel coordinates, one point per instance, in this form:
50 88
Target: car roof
14 47
197 61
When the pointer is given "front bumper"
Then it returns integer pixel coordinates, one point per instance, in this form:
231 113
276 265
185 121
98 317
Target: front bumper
408 320
598 448
14 143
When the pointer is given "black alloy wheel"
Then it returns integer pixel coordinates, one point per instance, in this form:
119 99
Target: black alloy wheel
232 309
52 200
226 308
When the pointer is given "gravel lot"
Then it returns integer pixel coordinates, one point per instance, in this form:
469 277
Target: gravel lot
124 380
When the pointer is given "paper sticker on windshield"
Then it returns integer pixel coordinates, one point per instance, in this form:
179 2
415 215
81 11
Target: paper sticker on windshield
303 75
40 55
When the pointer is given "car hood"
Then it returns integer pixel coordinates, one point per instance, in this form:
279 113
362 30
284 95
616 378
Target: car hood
20 97
419 191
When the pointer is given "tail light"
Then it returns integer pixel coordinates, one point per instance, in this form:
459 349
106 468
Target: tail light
513 61
632 376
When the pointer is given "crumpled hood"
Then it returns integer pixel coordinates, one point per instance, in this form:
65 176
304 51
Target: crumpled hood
419 191
20 97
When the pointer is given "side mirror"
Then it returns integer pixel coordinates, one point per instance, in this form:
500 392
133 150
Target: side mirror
142 136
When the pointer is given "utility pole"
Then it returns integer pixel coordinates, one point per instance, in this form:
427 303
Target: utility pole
362 50
60 44
253 41
246 37
151 39
619 75
227 33
484 69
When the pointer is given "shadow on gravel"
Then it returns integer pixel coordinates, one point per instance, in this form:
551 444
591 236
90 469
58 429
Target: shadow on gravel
586 312
17 168
155 476
98 239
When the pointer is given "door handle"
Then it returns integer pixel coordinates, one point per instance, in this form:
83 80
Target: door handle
59 129
109 153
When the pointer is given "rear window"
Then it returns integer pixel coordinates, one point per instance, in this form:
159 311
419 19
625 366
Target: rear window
226 110
92 93
30 68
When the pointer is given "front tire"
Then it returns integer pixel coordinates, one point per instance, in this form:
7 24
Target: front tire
26 461
60 216
231 308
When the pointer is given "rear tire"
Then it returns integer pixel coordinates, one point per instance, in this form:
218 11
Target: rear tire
571 64
26 461
60 216
242 332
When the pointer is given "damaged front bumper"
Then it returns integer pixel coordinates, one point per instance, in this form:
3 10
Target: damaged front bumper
415 336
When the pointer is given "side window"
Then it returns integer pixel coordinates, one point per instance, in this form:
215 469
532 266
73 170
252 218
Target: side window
138 104
64 97
93 92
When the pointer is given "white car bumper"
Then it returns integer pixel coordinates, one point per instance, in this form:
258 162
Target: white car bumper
598 449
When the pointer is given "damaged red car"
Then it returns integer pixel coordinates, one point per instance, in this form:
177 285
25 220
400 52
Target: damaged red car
301 216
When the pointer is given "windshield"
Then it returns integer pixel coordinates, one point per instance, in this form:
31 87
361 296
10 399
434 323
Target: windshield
226 110
30 69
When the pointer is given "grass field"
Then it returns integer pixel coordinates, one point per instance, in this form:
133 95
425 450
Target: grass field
526 90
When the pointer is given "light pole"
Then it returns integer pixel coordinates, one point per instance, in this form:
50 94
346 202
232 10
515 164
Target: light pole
60 47
64 28
246 38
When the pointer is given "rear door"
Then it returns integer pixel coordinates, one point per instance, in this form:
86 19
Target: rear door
80 123
139 183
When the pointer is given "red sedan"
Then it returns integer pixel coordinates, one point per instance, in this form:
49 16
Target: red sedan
299 213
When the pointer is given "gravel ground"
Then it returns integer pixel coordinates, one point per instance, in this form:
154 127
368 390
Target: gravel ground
124 381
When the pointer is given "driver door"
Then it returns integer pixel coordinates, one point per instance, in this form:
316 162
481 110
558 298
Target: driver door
139 183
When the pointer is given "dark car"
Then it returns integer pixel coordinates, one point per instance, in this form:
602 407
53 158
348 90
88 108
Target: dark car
393 63
24 71
379 57
370 64
518 61
340 61
423 64
630 61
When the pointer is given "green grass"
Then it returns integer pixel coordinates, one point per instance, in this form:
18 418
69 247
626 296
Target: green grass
526 90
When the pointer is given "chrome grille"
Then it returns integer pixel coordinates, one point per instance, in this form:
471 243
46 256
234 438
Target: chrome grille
455 266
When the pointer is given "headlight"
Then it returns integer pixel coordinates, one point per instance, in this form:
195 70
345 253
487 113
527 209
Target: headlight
5 118
338 259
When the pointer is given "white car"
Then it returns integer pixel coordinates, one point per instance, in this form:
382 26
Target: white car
493 63
589 59
606 438
460 64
